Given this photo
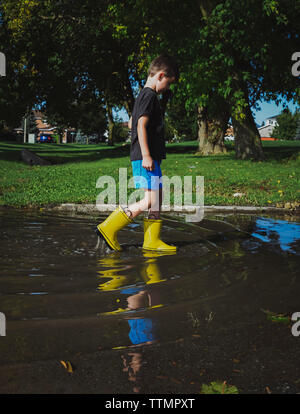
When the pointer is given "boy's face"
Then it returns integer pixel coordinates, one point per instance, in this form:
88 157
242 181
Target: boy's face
163 82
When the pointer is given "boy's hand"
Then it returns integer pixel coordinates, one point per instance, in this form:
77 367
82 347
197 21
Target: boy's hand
148 163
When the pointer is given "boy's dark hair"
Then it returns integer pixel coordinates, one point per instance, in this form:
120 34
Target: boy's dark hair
167 64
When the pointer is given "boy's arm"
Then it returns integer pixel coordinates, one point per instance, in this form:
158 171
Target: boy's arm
143 140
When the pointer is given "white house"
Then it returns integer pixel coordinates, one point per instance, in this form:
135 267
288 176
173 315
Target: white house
267 127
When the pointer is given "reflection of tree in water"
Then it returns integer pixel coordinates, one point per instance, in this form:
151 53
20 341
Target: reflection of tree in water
295 245
283 233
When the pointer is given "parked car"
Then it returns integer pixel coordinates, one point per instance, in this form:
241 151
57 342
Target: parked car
46 138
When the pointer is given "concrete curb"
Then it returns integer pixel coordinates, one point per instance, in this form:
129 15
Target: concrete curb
106 208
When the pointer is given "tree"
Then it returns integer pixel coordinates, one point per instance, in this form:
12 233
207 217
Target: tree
287 125
297 135
44 34
251 60
229 59
183 121
15 88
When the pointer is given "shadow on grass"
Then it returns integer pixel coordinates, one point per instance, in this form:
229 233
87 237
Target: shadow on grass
63 153
70 153
280 153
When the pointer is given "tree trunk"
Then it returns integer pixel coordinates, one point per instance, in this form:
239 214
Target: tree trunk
211 131
206 7
110 124
166 96
129 102
128 108
247 140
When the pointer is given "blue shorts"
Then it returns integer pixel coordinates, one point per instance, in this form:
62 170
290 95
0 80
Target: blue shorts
144 178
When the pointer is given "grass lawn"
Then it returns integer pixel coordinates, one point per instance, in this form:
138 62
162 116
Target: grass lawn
76 168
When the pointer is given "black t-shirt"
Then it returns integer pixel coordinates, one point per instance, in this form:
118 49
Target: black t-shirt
147 103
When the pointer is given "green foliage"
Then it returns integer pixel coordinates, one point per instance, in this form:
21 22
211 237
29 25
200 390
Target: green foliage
171 134
180 121
73 55
287 125
120 133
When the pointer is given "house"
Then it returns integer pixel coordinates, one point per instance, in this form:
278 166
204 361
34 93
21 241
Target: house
229 133
42 124
44 128
265 131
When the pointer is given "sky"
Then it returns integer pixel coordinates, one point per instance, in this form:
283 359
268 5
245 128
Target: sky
268 109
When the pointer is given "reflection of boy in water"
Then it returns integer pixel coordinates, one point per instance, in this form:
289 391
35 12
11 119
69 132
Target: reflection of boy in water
133 367
141 329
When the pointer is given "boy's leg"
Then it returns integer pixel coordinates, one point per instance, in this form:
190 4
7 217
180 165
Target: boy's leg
153 191
153 225
152 200
156 203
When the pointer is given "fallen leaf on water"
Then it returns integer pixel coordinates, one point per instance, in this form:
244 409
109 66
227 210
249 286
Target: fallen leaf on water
67 365
219 388
276 317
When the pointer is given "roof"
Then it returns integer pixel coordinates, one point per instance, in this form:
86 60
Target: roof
265 126
271 117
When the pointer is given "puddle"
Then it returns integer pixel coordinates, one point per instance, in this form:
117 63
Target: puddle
190 314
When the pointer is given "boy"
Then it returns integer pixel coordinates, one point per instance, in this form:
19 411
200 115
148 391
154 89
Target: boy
146 153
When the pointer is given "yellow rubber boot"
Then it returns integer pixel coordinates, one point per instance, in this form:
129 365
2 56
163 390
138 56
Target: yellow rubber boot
109 228
151 271
152 240
113 271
